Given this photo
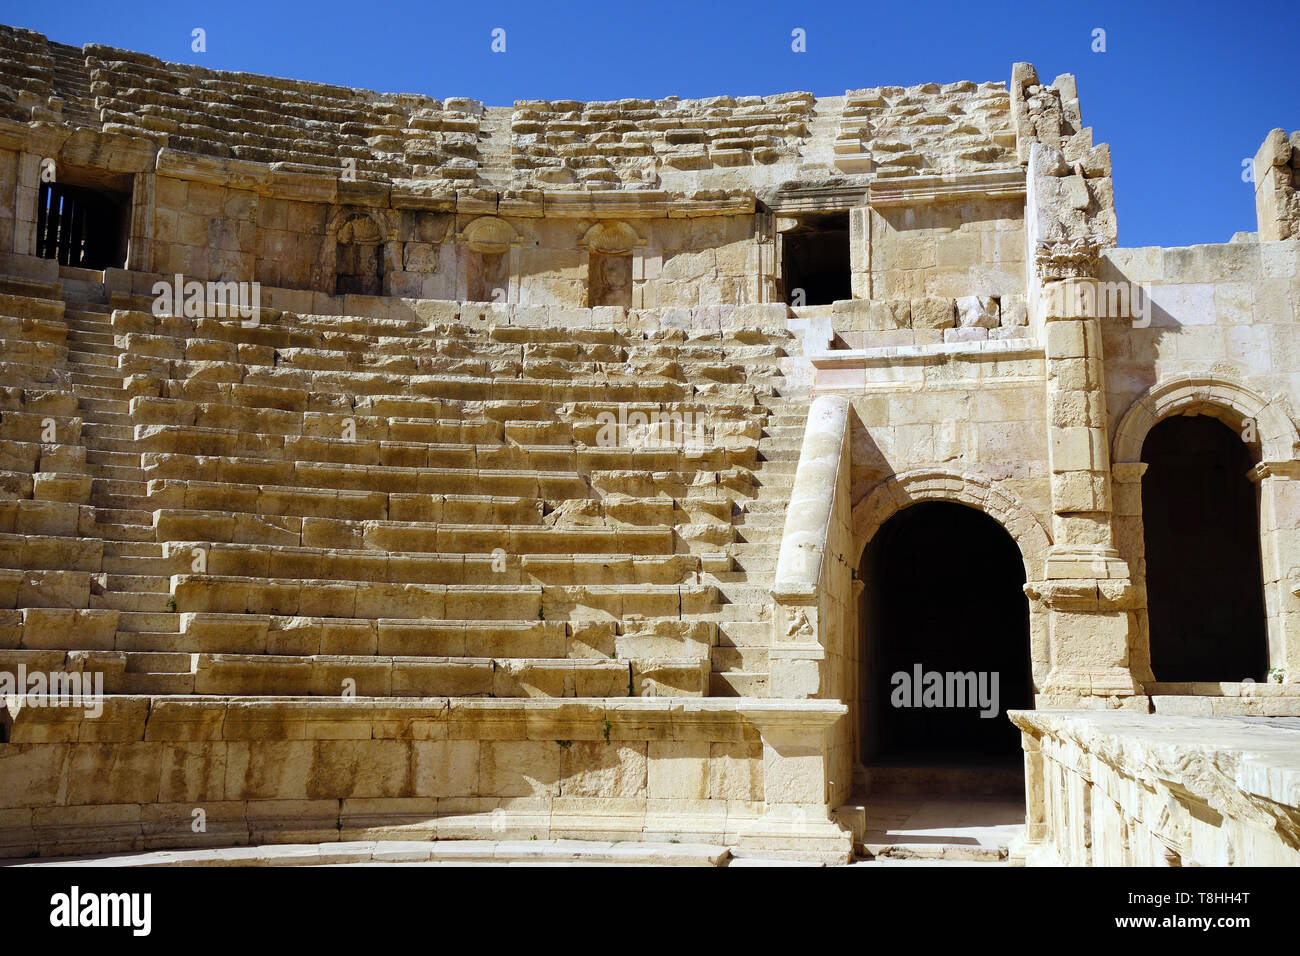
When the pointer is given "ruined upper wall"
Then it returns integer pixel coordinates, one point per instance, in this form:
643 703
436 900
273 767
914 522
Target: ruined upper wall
722 142
1277 186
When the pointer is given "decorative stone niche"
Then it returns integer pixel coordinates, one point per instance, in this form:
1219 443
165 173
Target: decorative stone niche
611 270
490 266
360 254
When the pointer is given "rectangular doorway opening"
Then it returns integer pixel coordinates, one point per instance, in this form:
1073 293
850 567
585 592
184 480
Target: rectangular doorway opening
815 260
84 224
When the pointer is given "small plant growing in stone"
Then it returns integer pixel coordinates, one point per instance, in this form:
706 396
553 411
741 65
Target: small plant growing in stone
1276 675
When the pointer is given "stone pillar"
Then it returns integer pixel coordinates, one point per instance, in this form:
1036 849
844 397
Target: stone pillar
1036 830
796 821
1277 186
27 191
860 252
1126 490
1279 540
1087 584
139 250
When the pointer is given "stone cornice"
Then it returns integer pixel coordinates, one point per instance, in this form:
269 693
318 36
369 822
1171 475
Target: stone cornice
831 195
927 354
947 187
1275 469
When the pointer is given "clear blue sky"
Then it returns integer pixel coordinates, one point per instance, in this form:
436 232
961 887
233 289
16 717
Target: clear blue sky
1184 92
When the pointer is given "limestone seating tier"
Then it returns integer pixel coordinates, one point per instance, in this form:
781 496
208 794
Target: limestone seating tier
443 768
579 568
617 143
904 131
563 144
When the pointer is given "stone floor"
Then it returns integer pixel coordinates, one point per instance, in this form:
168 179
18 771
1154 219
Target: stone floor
904 832
901 831
942 828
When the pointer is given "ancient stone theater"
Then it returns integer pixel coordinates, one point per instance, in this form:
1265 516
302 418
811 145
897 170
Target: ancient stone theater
376 468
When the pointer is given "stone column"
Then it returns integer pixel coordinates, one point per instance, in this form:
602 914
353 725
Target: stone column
1279 539
1087 585
796 821
139 250
1130 541
26 196
1036 830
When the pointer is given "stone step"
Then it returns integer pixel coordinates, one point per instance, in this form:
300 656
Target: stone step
745 634
133 564
234 594
109 531
132 549
97 442
958 827
156 583
106 419
153 662
101 393
765 566
738 684
149 622
150 684
122 503
93 359
154 642
130 601
731 660
87 337
119 516
113 459
105 432
112 485
781 466
760 520
82 379
955 852
523 852
768 454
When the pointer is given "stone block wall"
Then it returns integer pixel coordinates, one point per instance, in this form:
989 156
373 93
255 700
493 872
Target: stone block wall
948 250
293 771
1117 789
1277 186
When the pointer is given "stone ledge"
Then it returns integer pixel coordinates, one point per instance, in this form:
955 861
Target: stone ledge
360 852
1225 761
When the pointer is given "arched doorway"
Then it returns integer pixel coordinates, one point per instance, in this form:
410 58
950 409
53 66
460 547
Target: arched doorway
1205 588
945 631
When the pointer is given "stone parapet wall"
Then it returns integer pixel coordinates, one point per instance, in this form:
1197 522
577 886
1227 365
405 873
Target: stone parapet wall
1277 186
628 144
1120 789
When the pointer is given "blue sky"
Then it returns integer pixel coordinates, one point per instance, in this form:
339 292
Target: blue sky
1183 92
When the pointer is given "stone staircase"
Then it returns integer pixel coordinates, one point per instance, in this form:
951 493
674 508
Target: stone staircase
740 665
72 85
816 153
325 505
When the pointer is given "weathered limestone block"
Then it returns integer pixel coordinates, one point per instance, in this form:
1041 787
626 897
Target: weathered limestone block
977 311
864 315
932 313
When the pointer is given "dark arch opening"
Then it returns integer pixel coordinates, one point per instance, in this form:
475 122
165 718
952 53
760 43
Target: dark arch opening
944 591
815 259
1205 586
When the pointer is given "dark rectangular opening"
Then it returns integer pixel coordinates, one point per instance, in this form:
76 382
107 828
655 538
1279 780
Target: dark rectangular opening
815 262
83 226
